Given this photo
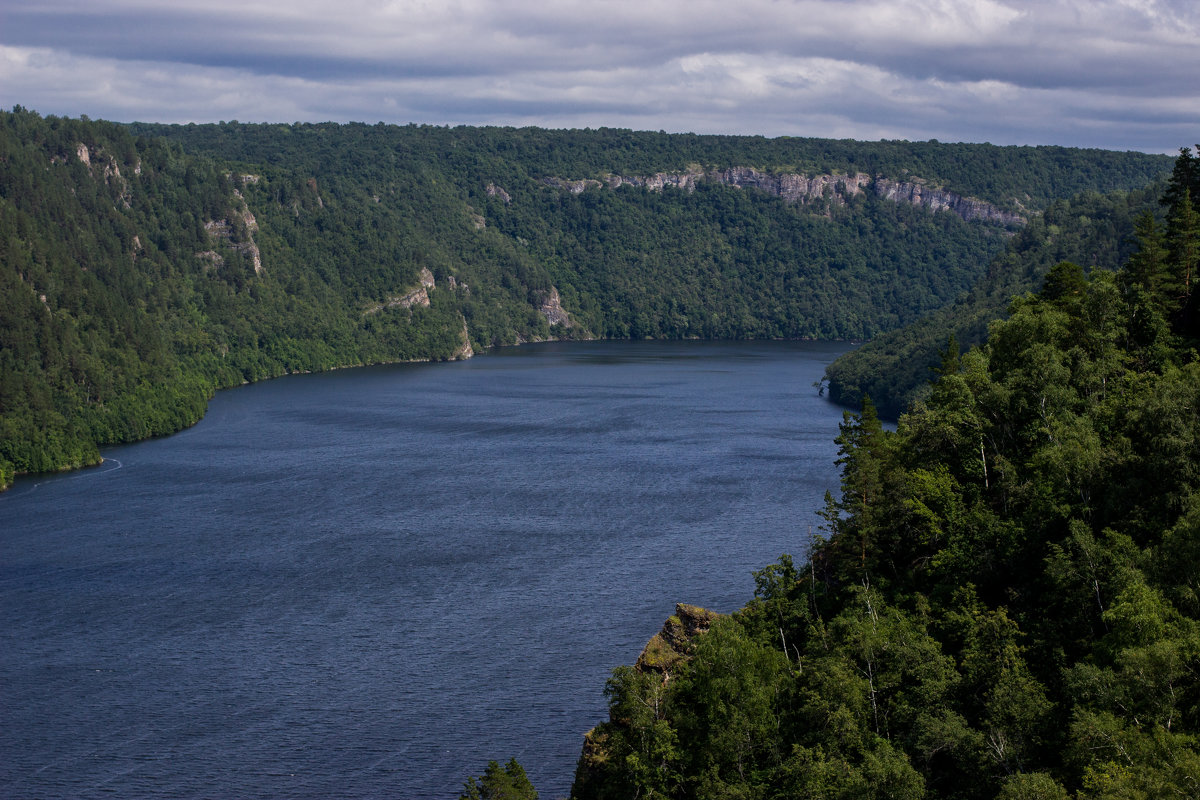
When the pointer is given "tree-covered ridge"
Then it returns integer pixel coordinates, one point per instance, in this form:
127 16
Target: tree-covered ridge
721 262
1097 231
1006 603
146 266
1014 178
1090 229
719 265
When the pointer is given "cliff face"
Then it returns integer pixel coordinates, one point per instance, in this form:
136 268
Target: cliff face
662 655
465 350
672 646
796 188
238 234
935 199
416 297
551 308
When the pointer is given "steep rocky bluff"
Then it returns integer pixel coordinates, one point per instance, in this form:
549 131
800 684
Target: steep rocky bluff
672 646
666 651
805 189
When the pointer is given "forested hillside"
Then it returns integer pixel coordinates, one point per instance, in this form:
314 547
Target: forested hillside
713 262
144 267
1006 600
1091 229
137 280
1011 177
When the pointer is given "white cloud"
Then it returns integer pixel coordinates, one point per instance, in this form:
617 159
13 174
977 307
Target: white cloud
1116 73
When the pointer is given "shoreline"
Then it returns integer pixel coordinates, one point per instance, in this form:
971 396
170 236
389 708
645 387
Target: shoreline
7 481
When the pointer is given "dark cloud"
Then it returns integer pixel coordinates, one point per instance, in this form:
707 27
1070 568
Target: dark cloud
1109 73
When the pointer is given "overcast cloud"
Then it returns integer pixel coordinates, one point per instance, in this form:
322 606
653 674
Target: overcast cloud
1119 74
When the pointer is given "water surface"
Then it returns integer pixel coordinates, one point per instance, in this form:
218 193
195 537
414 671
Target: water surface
368 583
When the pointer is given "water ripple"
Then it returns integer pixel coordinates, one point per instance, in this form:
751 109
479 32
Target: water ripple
371 582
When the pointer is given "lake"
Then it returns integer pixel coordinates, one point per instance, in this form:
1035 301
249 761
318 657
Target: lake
369 582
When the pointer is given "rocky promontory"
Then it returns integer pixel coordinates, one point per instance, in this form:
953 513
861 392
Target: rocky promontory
662 655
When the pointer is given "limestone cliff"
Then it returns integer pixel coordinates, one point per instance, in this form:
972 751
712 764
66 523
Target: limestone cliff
104 167
498 191
237 232
464 350
417 297
918 194
550 306
805 189
574 187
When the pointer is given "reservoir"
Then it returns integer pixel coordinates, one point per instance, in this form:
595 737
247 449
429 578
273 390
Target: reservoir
371 582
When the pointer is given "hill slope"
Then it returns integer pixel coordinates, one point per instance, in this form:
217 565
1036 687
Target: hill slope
1091 229
144 267
1007 603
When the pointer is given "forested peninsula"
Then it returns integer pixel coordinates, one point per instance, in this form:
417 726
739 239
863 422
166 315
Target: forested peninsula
1005 599
143 267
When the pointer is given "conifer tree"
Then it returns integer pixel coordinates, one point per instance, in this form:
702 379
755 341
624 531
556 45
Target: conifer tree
500 783
1183 242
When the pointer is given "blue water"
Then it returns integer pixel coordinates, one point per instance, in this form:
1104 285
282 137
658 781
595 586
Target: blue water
370 582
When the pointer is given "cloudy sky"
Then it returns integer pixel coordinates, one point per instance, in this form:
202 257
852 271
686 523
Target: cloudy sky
1119 74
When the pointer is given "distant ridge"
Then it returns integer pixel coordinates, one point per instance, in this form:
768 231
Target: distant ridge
145 266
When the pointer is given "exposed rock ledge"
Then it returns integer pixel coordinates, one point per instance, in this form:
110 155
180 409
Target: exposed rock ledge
417 297
796 188
551 308
672 646
238 235
107 168
665 651
464 350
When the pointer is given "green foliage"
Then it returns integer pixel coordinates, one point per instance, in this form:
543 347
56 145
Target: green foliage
1032 786
1005 605
500 783
135 280
1093 230
144 267
1005 602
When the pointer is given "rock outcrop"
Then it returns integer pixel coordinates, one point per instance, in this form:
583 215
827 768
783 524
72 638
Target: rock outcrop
672 646
574 187
659 180
465 350
496 191
550 305
417 297
969 208
664 653
805 189
108 169
237 233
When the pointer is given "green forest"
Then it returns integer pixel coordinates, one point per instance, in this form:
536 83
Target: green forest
1004 601
1091 229
144 267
